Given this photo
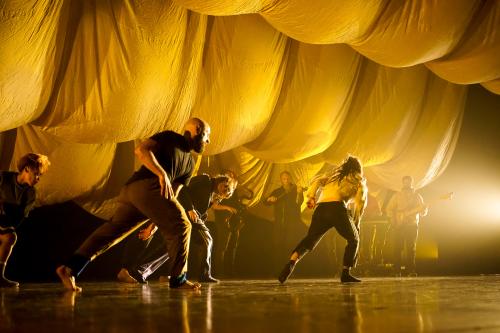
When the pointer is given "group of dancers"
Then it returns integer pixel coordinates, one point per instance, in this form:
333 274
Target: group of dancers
163 197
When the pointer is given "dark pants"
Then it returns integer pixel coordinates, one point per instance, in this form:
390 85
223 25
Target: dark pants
143 258
325 216
405 236
203 242
139 201
235 224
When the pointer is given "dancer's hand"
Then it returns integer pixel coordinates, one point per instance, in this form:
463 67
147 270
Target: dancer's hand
193 215
272 199
311 203
166 189
148 232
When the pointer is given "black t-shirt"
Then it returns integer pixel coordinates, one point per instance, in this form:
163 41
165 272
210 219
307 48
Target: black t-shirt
286 208
16 200
174 155
198 195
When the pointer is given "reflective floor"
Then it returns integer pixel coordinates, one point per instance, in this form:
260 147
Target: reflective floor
448 304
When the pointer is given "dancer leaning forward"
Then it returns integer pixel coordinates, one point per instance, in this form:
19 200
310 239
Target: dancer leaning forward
344 186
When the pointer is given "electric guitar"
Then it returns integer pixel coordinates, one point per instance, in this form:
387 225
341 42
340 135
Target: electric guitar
400 216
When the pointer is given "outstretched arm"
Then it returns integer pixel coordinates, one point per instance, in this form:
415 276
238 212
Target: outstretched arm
218 206
311 192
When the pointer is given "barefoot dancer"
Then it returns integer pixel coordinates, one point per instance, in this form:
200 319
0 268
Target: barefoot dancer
346 184
17 197
151 193
202 192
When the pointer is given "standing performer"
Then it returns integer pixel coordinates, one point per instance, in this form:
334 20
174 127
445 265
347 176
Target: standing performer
151 193
17 197
345 185
288 226
230 217
405 209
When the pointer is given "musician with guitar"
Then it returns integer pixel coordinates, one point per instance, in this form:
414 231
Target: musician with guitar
405 209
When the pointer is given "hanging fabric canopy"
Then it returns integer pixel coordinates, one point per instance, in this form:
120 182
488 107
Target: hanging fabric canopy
289 85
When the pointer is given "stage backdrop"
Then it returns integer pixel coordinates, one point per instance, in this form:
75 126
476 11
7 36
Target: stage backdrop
284 84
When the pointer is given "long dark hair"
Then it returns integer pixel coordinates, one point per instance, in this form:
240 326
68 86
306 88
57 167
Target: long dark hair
349 166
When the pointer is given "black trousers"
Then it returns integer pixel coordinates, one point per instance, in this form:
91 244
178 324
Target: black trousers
328 215
405 236
143 258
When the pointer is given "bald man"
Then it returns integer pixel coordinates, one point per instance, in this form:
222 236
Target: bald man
151 193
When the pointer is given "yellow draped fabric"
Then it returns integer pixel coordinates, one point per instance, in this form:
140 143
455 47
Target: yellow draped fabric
285 85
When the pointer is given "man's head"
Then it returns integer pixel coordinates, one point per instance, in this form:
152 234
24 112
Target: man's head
31 167
285 178
351 166
223 186
197 132
407 182
232 175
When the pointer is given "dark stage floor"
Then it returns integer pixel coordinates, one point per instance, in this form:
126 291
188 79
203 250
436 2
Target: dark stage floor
445 304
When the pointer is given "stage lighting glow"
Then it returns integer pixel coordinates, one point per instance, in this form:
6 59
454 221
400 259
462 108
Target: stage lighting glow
483 206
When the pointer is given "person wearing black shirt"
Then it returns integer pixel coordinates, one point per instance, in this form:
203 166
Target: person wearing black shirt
288 225
230 217
202 192
17 198
151 193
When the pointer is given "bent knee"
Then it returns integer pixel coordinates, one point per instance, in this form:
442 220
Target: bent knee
9 238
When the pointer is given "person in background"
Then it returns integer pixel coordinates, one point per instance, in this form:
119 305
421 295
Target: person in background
17 198
286 201
405 209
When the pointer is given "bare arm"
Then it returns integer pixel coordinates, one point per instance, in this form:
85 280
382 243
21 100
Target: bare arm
311 192
145 153
147 232
360 201
422 209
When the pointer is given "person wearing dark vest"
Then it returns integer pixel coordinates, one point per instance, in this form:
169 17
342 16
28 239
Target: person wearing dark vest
150 194
202 192
17 198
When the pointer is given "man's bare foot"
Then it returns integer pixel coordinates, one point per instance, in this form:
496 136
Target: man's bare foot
189 286
6 283
67 279
125 277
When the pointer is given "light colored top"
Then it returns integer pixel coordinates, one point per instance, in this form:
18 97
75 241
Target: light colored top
351 190
406 207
